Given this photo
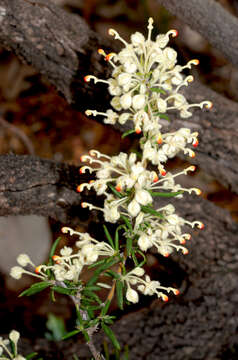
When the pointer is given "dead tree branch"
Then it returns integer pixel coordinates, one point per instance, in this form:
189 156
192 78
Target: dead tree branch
211 20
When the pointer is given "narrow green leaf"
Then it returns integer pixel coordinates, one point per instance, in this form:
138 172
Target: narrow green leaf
134 258
144 258
119 292
111 336
165 194
85 334
31 355
116 238
97 263
149 210
92 295
117 193
92 288
71 333
106 350
113 274
62 290
53 248
35 288
127 222
126 133
158 90
162 116
109 238
128 246
105 308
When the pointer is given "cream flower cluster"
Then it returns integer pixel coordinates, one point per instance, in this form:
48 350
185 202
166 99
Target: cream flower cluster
6 351
145 286
145 82
134 184
164 233
68 265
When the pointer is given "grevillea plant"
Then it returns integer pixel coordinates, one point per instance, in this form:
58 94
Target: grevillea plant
145 85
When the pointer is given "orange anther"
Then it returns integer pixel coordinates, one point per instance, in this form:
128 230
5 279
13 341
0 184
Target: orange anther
37 269
195 143
86 78
118 187
79 188
175 33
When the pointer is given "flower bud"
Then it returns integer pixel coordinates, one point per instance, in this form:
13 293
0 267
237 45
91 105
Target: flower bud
132 296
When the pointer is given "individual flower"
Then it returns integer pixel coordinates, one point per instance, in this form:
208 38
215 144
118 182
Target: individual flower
147 287
8 348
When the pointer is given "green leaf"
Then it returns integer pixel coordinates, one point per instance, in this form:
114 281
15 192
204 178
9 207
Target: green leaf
35 288
144 258
97 263
111 336
119 292
134 258
162 116
113 274
126 133
165 194
116 237
117 193
71 333
128 246
65 291
86 336
57 327
158 90
149 210
109 238
105 308
92 295
52 250
31 355
127 222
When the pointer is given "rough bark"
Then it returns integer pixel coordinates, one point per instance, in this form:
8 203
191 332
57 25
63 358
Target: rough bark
211 20
30 185
199 324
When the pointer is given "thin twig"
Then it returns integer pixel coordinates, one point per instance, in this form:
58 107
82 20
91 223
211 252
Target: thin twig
18 132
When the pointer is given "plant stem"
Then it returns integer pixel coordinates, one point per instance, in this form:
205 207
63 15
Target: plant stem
90 331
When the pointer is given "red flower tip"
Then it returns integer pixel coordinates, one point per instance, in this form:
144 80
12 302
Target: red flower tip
138 131
118 187
176 292
195 143
79 188
163 172
175 33
201 226
166 255
165 298
37 270
155 178
159 140
86 78
81 170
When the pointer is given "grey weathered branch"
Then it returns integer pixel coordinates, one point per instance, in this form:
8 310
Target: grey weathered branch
211 20
30 185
